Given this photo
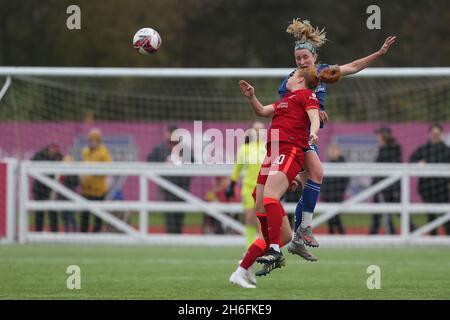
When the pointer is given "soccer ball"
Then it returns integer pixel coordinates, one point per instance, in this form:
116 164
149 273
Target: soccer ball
147 41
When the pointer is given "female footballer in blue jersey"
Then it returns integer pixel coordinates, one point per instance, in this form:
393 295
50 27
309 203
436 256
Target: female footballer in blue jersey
308 40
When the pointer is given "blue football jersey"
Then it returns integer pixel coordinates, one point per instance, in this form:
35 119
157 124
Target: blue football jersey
321 90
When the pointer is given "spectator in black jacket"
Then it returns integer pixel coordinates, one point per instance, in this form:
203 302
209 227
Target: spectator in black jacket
71 182
388 151
433 190
333 189
41 191
162 153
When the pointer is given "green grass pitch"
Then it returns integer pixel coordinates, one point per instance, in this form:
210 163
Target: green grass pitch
160 272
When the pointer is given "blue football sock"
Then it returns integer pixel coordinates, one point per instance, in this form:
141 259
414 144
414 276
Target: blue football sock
298 213
310 196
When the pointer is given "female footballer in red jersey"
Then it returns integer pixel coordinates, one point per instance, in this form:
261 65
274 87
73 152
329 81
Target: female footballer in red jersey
308 40
295 123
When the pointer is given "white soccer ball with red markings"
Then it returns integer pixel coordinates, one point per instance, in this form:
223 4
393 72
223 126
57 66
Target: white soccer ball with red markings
147 41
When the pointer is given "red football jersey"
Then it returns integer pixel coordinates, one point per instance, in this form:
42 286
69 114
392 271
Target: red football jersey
290 119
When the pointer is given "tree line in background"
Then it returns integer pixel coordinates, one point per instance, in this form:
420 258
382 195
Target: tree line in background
218 33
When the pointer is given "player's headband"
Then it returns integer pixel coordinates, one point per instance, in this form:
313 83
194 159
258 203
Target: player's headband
305 45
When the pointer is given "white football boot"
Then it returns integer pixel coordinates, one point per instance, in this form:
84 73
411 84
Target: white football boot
240 279
251 274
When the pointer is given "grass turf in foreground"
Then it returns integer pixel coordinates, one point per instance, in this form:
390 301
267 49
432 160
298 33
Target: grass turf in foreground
149 272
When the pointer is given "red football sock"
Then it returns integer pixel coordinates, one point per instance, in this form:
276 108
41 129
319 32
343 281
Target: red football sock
262 217
257 249
275 213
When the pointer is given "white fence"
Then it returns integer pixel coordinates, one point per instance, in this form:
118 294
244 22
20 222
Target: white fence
155 173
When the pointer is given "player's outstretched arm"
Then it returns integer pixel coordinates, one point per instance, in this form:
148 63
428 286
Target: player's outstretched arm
360 64
313 115
260 110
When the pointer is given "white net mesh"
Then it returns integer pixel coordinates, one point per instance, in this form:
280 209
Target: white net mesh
134 112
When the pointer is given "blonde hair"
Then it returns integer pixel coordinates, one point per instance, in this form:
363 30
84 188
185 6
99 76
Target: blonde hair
303 31
95 134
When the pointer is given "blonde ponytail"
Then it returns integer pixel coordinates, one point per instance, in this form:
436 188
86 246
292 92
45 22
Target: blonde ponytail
304 32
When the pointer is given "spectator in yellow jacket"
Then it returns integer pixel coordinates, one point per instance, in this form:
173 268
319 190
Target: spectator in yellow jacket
94 187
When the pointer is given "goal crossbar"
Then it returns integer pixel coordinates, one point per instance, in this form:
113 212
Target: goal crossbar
206 72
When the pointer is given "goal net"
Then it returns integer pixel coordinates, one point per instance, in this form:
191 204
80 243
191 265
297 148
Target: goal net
47 114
